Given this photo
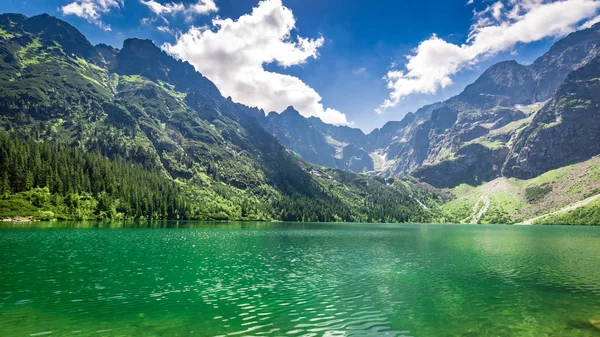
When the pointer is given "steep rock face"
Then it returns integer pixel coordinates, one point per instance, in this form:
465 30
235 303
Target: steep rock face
405 143
107 56
11 19
472 165
384 136
490 112
142 57
51 29
505 83
350 146
566 55
565 131
297 134
341 133
355 159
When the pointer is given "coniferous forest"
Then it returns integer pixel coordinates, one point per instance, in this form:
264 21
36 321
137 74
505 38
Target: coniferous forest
48 181
52 181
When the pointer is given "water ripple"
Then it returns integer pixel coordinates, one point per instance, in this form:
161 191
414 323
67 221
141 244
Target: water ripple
311 281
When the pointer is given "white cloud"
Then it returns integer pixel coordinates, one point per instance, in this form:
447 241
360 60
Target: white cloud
202 7
165 29
500 27
234 53
497 9
91 10
160 9
359 71
589 23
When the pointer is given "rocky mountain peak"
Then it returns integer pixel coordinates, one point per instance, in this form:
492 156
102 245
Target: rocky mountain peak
107 55
507 81
143 57
51 29
142 48
290 111
11 18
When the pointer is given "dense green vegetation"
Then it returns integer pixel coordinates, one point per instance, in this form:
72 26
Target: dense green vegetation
536 193
514 200
375 199
50 181
588 215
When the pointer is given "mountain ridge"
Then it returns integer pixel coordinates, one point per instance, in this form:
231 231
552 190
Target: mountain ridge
221 160
470 133
140 105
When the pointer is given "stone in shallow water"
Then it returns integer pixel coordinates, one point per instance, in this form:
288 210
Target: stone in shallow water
595 321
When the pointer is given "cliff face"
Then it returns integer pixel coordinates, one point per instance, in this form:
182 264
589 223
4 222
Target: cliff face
566 130
491 112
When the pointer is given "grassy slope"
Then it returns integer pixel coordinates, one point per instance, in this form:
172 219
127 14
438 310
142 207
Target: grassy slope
517 200
588 215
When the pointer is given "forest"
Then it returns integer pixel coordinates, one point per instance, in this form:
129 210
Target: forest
49 181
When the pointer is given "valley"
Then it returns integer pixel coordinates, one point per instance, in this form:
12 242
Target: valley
175 168
517 145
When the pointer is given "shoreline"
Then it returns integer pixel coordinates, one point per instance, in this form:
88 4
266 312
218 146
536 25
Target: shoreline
30 222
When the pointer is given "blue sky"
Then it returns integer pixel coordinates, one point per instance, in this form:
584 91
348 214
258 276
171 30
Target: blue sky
330 58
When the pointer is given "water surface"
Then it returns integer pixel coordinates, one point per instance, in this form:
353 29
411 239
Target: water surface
281 279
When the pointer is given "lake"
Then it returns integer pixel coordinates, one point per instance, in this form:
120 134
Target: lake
288 279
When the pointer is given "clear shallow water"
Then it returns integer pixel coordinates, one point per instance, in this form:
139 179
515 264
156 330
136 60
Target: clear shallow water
300 280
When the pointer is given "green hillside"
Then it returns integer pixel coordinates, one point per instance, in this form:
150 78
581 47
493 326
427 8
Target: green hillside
515 200
139 111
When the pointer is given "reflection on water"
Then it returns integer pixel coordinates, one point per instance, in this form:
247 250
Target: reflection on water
265 279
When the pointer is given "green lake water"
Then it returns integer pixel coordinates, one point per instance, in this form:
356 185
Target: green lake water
285 279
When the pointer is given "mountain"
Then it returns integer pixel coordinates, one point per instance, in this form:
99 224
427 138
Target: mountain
91 121
466 139
318 142
494 110
91 132
565 131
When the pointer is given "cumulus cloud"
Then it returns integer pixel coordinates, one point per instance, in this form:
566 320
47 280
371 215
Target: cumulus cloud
499 27
91 10
201 7
204 7
233 55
